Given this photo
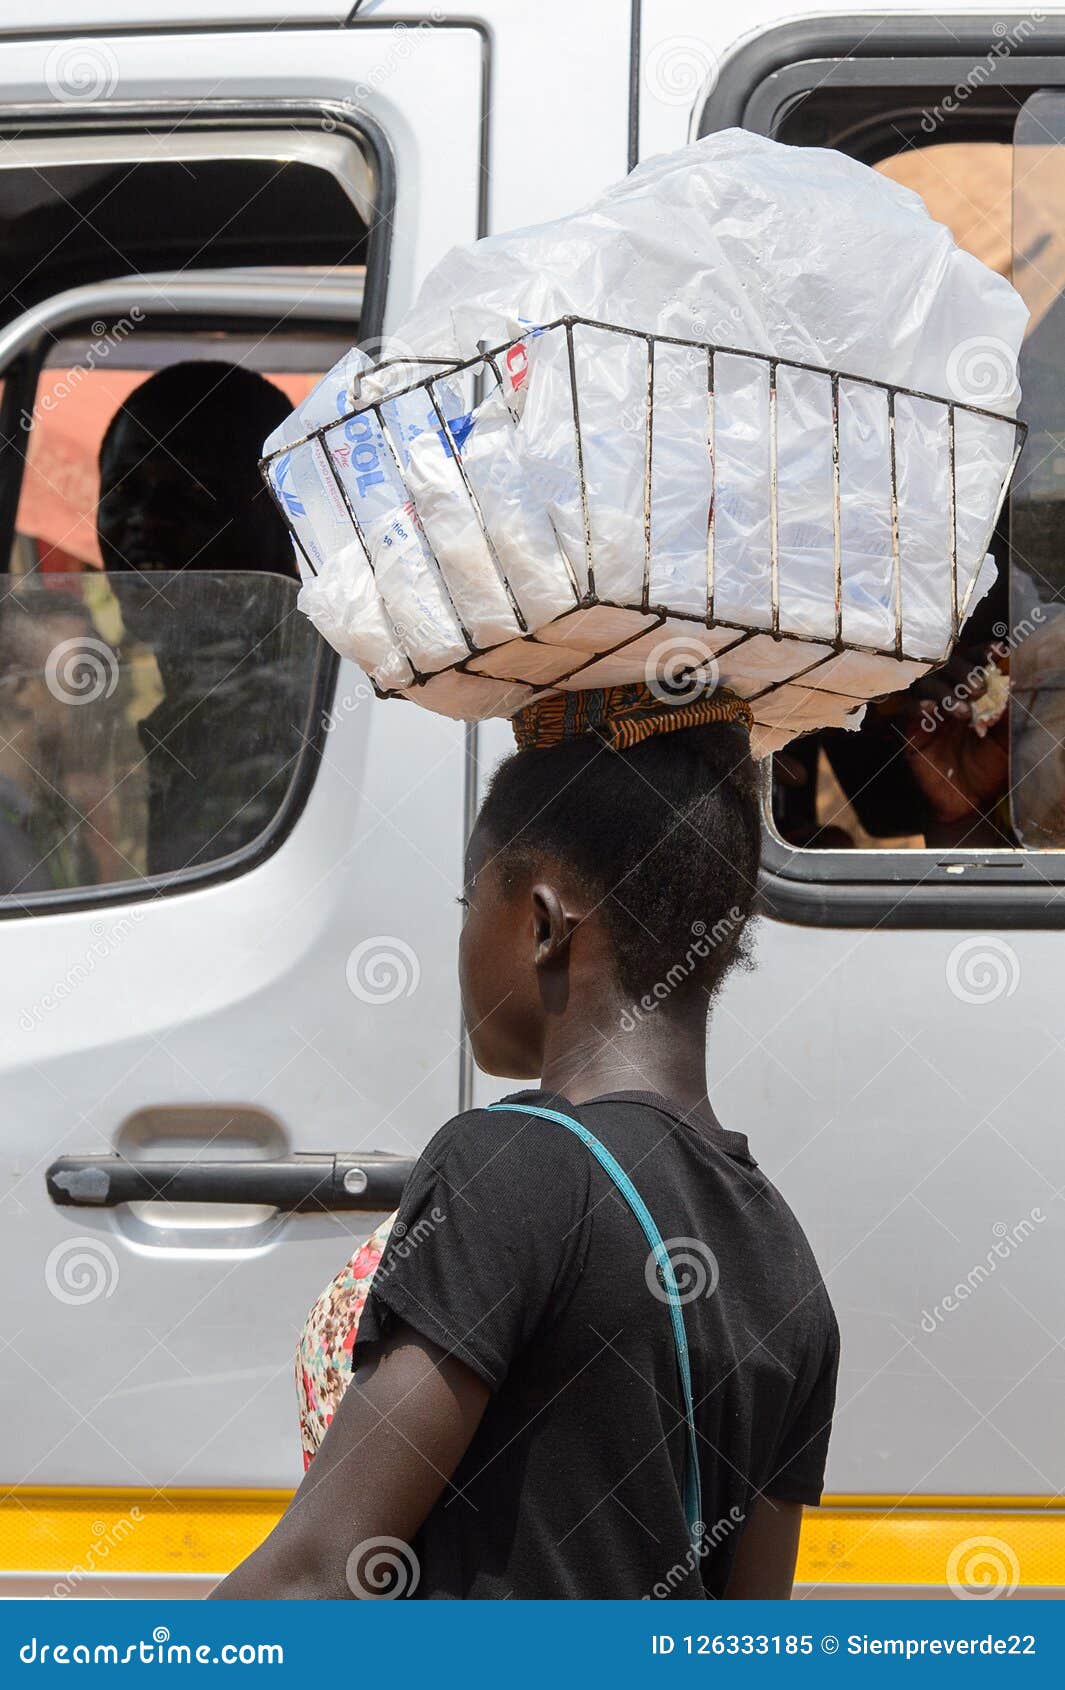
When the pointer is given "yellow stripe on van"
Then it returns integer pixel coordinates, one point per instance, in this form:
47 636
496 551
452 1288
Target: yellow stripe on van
994 1542
851 1540
80 1530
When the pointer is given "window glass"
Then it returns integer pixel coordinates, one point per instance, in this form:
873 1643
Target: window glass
152 713
930 767
1037 584
150 721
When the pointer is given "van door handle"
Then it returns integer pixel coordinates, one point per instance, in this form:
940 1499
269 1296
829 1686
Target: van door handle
291 1184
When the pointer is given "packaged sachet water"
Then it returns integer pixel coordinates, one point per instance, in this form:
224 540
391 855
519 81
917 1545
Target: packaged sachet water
735 427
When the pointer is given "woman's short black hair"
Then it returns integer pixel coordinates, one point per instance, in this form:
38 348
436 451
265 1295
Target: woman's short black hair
665 836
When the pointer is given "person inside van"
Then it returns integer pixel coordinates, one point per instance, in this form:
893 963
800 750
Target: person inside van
596 1358
930 763
179 474
180 491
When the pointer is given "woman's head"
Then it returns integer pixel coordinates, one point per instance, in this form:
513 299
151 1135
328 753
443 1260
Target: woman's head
597 876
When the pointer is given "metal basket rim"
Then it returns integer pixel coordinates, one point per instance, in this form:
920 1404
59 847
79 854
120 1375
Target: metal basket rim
570 321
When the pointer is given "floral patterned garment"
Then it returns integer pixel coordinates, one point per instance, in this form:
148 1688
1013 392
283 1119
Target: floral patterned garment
323 1358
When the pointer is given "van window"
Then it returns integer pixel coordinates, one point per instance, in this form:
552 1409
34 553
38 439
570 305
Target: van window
930 767
157 683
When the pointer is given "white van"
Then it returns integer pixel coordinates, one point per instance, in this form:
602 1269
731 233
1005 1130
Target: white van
267 183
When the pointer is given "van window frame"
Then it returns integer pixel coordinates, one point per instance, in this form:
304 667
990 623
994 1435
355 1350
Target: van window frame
222 118
758 87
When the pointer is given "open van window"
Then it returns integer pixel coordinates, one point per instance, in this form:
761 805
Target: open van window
946 114
158 687
182 197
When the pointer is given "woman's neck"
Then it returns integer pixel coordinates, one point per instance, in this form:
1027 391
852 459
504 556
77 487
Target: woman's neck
588 1055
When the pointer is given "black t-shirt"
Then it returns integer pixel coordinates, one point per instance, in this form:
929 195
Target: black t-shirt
515 1251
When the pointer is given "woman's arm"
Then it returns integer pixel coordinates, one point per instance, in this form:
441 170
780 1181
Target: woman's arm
765 1560
403 1424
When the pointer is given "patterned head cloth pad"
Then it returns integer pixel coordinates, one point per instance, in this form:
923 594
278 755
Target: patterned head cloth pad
622 716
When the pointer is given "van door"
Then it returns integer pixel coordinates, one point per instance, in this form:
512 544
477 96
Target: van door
243 1015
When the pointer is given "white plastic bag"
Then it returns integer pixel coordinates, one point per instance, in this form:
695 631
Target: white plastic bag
344 603
717 503
794 252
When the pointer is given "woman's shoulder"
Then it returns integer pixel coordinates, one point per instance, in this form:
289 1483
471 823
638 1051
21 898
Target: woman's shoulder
503 1146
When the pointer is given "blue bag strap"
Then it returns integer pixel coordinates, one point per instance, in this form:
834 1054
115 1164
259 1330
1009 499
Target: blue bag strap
610 1164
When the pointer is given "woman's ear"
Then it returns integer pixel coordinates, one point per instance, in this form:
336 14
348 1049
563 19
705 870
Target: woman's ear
551 925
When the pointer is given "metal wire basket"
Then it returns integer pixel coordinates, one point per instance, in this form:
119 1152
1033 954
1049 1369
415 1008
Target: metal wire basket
815 536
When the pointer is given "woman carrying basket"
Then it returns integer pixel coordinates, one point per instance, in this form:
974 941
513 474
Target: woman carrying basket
597 1359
